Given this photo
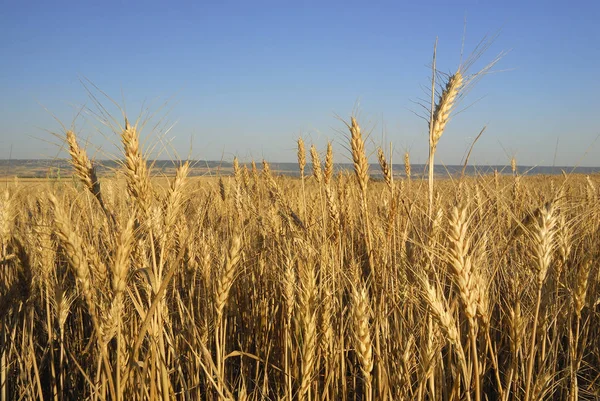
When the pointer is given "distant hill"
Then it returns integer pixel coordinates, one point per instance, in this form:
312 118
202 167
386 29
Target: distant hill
41 168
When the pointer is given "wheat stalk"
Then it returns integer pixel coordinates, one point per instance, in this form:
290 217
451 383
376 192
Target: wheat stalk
316 162
359 158
301 156
136 170
74 250
85 170
385 168
439 310
227 275
440 115
361 170
467 282
444 106
362 336
407 169
328 170
543 237
308 324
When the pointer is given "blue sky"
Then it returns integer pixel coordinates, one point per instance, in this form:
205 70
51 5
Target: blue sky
248 78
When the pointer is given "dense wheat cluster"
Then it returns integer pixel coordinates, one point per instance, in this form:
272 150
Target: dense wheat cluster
333 286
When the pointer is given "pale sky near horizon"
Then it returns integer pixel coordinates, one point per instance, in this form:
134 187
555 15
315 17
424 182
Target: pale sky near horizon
247 78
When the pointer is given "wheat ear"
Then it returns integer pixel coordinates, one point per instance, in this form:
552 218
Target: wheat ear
362 336
301 156
328 170
385 168
316 162
74 249
440 115
543 237
359 158
136 170
361 169
308 323
85 170
467 282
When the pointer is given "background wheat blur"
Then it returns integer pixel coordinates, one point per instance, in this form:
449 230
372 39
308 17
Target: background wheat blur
331 286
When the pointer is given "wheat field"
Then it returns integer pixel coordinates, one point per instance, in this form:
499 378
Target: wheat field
331 286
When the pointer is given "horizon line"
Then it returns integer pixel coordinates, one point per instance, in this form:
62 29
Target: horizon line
67 160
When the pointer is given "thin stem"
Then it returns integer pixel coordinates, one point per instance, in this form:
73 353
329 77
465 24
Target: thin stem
532 347
473 335
431 140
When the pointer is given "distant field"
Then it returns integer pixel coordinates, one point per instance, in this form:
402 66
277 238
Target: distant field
62 169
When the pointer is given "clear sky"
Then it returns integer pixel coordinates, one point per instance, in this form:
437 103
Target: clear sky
247 78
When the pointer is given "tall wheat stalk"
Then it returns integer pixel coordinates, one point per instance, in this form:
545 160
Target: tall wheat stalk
440 115
85 170
302 164
361 170
362 337
543 237
453 88
224 283
465 277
